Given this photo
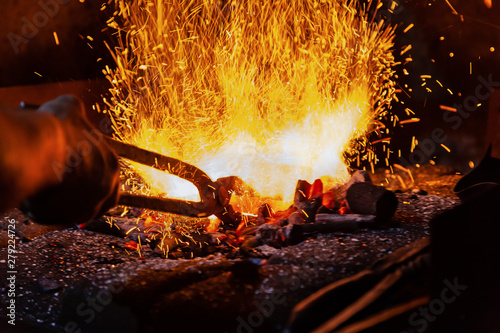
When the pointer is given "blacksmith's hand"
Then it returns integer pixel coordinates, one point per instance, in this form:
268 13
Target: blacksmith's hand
88 178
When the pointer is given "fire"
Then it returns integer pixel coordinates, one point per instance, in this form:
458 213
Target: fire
270 91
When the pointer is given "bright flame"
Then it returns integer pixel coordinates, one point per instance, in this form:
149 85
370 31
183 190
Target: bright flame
271 91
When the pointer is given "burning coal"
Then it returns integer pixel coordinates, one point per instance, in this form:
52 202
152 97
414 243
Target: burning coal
270 91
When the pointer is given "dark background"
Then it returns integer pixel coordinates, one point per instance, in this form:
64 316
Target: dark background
73 66
75 58
437 33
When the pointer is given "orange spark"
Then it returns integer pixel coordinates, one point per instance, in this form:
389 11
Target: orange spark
447 108
56 38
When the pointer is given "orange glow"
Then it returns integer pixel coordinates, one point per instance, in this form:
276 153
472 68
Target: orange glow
270 91
213 226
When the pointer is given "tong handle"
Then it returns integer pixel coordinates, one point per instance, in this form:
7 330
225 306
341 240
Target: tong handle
164 163
174 206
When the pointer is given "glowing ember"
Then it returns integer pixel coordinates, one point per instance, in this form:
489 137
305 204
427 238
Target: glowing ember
271 91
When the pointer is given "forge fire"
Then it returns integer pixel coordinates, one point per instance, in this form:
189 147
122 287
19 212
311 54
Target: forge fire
272 92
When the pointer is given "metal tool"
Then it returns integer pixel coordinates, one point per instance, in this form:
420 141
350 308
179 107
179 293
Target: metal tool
214 196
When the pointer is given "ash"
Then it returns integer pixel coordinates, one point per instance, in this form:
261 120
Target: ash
72 280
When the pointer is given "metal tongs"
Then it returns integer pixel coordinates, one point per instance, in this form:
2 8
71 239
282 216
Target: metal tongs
214 196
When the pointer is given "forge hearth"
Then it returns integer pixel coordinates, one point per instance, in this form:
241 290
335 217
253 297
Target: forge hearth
62 270
356 204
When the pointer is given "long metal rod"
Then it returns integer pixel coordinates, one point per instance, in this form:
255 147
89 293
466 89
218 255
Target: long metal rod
174 206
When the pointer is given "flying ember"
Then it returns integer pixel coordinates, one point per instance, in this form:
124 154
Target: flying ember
270 91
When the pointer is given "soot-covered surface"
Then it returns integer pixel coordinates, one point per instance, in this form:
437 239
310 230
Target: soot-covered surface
73 280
